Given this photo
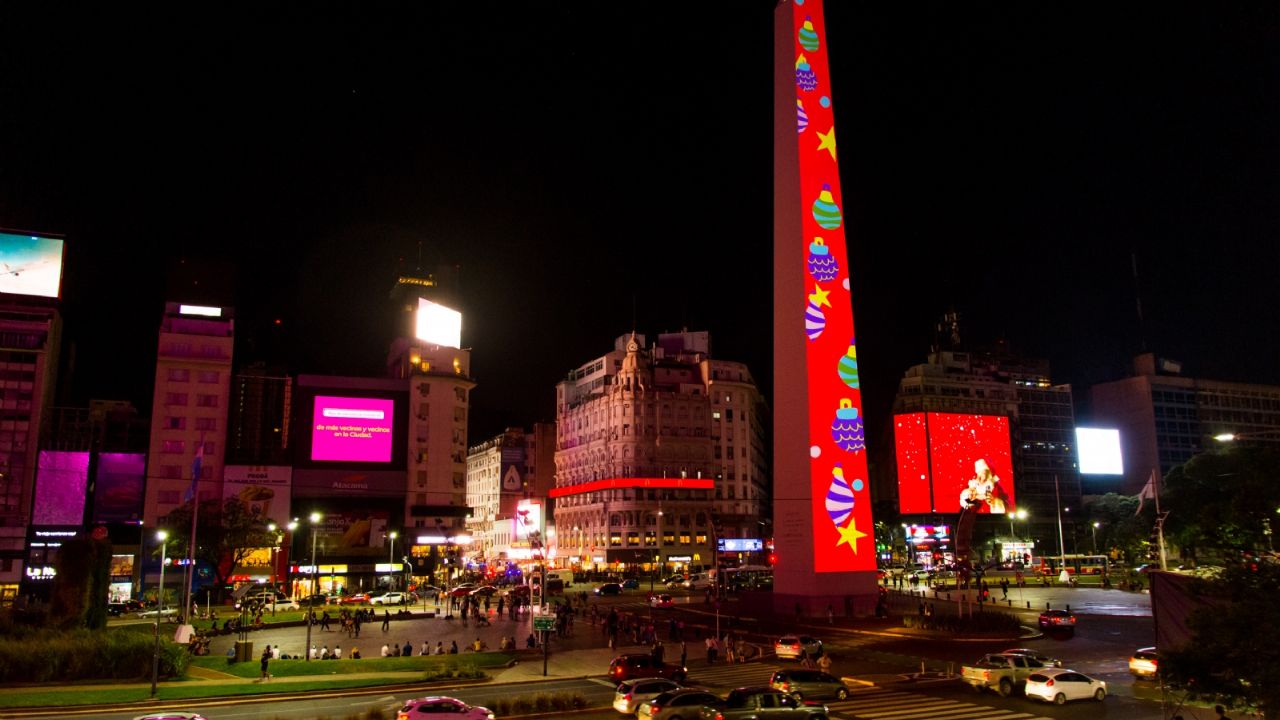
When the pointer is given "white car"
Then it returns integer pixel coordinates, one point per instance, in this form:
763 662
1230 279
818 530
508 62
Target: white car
391 598
1058 685
788 647
167 612
698 582
630 693
281 605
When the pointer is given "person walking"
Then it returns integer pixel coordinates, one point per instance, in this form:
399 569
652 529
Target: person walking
324 621
824 663
265 662
730 649
831 615
386 620
684 654
1221 712
501 602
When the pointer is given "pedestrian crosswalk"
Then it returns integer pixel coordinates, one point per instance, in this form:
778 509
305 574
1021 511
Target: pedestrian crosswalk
726 675
878 703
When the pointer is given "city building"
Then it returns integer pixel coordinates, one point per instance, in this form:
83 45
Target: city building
1040 443
189 406
1165 417
259 416
507 474
660 452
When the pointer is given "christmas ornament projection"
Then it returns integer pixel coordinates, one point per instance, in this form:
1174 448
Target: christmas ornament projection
841 512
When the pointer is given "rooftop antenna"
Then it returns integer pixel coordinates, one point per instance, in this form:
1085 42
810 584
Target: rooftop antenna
419 268
1137 300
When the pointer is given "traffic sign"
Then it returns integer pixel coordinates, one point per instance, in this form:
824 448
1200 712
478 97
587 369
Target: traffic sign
544 622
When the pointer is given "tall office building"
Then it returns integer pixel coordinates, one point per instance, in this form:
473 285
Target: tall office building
506 474
259 416
659 451
189 407
1165 417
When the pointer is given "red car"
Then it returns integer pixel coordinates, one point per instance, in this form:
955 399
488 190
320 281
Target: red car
1058 620
355 599
625 667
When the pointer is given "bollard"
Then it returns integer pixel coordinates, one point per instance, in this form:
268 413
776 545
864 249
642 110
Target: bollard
1028 604
1011 602
1047 606
1068 608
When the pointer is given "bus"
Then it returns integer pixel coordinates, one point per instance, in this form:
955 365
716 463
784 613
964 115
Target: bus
1075 564
747 577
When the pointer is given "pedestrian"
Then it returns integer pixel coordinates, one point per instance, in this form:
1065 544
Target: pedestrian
658 652
713 649
337 652
831 615
824 663
266 660
501 602
1221 711
386 650
407 650
314 653
804 658
453 647
356 626
730 649
684 654
324 652
439 647
324 621
426 647
355 653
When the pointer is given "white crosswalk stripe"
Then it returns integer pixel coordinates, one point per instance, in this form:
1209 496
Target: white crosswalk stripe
731 676
886 704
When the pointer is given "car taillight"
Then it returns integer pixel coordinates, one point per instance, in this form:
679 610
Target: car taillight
627 696
1049 683
786 686
796 646
654 709
719 715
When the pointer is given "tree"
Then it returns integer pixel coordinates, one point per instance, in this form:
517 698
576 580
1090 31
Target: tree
226 534
1234 652
1222 502
1120 528
81 583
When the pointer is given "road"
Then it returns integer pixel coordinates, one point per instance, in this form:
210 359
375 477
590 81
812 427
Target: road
1100 646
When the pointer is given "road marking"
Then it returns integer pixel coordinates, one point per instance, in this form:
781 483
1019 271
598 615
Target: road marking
605 683
884 704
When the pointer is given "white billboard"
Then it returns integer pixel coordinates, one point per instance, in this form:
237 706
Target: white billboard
1099 450
438 325
263 489
30 265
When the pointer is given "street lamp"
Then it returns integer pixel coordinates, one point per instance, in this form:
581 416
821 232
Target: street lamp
1095 537
315 572
163 537
391 558
1020 514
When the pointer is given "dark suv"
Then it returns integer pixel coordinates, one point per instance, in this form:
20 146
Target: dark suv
809 685
625 667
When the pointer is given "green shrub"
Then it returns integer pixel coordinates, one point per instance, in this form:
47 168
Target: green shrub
60 656
541 703
500 706
521 706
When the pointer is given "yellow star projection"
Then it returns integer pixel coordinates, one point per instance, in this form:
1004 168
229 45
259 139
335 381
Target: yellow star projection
850 535
819 296
827 141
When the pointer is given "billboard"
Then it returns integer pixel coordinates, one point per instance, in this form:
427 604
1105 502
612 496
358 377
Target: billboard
352 429
438 325
61 481
512 464
1099 450
950 461
527 524
30 265
118 485
262 489
354 529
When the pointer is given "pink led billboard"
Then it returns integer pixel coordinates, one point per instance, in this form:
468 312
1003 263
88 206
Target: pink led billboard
352 429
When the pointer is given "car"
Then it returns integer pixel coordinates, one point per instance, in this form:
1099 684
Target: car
698 581
609 589
630 693
642 665
519 591
280 605
922 576
171 715
631 584
676 705
427 592
462 590
1043 659
662 601
117 609
314 600
484 591
809 685
748 703
167 612
1144 662
1058 685
788 647
254 599
391 598
674 581
1057 620
354 599
439 706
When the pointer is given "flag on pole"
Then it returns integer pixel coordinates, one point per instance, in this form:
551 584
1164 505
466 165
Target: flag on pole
1148 492
195 472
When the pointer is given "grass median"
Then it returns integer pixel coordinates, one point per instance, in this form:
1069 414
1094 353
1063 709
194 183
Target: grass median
288 676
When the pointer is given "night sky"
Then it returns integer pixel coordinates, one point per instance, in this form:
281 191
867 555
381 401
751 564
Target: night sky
587 163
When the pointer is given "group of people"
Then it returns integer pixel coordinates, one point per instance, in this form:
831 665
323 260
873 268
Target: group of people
736 650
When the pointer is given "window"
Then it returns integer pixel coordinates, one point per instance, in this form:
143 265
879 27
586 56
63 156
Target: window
633 538
615 540
208 448
701 537
210 401
208 376
171 472
175 398
173 446
179 375
168 497
210 424
175 423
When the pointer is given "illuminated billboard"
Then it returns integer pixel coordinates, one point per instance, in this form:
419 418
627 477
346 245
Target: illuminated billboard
527 524
1099 450
30 265
438 325
352 429
61 479
118 487
948 461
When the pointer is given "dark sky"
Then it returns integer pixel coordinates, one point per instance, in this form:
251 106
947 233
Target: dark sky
579 160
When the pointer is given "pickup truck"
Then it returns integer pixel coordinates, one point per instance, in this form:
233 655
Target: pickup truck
759 703
1001 673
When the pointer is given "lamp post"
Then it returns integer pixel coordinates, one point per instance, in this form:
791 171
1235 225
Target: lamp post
163 537
391 558
1095 537
315 572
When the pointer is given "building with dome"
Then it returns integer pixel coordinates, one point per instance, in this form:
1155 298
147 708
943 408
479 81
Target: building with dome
660 452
